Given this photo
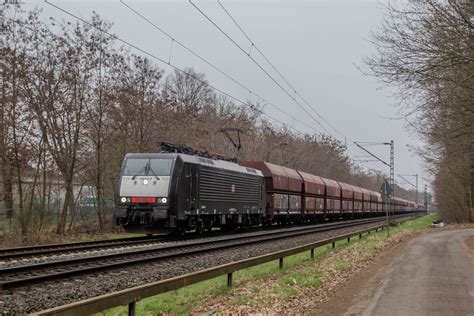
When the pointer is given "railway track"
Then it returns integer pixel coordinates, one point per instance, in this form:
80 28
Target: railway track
23 275
76 248
43 250
19 253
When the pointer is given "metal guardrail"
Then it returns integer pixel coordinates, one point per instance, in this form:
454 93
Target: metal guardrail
132 295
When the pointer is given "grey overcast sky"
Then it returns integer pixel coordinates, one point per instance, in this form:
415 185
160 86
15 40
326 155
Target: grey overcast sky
315 44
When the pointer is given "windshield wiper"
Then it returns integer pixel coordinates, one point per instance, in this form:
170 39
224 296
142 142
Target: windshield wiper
150 169
138 172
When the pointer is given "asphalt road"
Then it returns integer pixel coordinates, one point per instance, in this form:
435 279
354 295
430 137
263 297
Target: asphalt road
433 276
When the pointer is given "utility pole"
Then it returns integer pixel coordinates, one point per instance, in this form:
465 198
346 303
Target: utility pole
392 175
385 191
426 198
416 193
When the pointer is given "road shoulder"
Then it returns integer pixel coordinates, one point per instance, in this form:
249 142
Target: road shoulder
362 293
356 293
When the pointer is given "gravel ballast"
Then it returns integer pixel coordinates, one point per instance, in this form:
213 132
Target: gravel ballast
50 294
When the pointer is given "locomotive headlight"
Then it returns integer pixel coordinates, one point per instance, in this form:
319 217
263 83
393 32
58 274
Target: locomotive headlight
123 199
164 200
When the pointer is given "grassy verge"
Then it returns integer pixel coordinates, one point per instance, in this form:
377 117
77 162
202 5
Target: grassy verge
49 236
266 288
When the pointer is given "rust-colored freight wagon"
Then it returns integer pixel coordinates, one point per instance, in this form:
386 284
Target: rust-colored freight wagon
401 205
405 206
379 202
396 202
347 197
365 200
314 190
358 199
333 196
283 187
373 201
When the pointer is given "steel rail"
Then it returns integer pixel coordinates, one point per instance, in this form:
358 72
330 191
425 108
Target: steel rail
11 253
134 294
37 273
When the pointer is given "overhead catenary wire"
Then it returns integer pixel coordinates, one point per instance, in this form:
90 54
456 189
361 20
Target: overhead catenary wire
276 70
258 65
187 73
165 62
213 66
174 40
407 181
253 45
134 46
373 143
371 154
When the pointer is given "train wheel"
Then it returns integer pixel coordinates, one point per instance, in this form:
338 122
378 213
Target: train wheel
200 227
209 225
200 230
179 232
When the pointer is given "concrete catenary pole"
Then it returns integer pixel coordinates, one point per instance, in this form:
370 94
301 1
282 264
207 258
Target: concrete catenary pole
392 175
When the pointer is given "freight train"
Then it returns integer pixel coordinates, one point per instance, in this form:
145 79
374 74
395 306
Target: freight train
184 189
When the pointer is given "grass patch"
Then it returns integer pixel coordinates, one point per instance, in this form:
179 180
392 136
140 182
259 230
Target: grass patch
176 302
285 293
299 274
301 277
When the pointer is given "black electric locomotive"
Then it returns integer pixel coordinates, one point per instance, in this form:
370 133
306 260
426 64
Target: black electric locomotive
175 192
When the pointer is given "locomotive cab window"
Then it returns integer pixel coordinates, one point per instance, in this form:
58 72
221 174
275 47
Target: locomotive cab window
148 167
160 167
136 167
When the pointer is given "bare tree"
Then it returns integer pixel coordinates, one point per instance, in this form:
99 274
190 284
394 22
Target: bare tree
56 88
103 58
426 49
73 104
20 145
137 104
188 91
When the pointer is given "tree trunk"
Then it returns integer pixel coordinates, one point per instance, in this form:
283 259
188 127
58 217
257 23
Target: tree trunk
7 174
6 163
68 201
99 189
98 149
100 208
16 151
